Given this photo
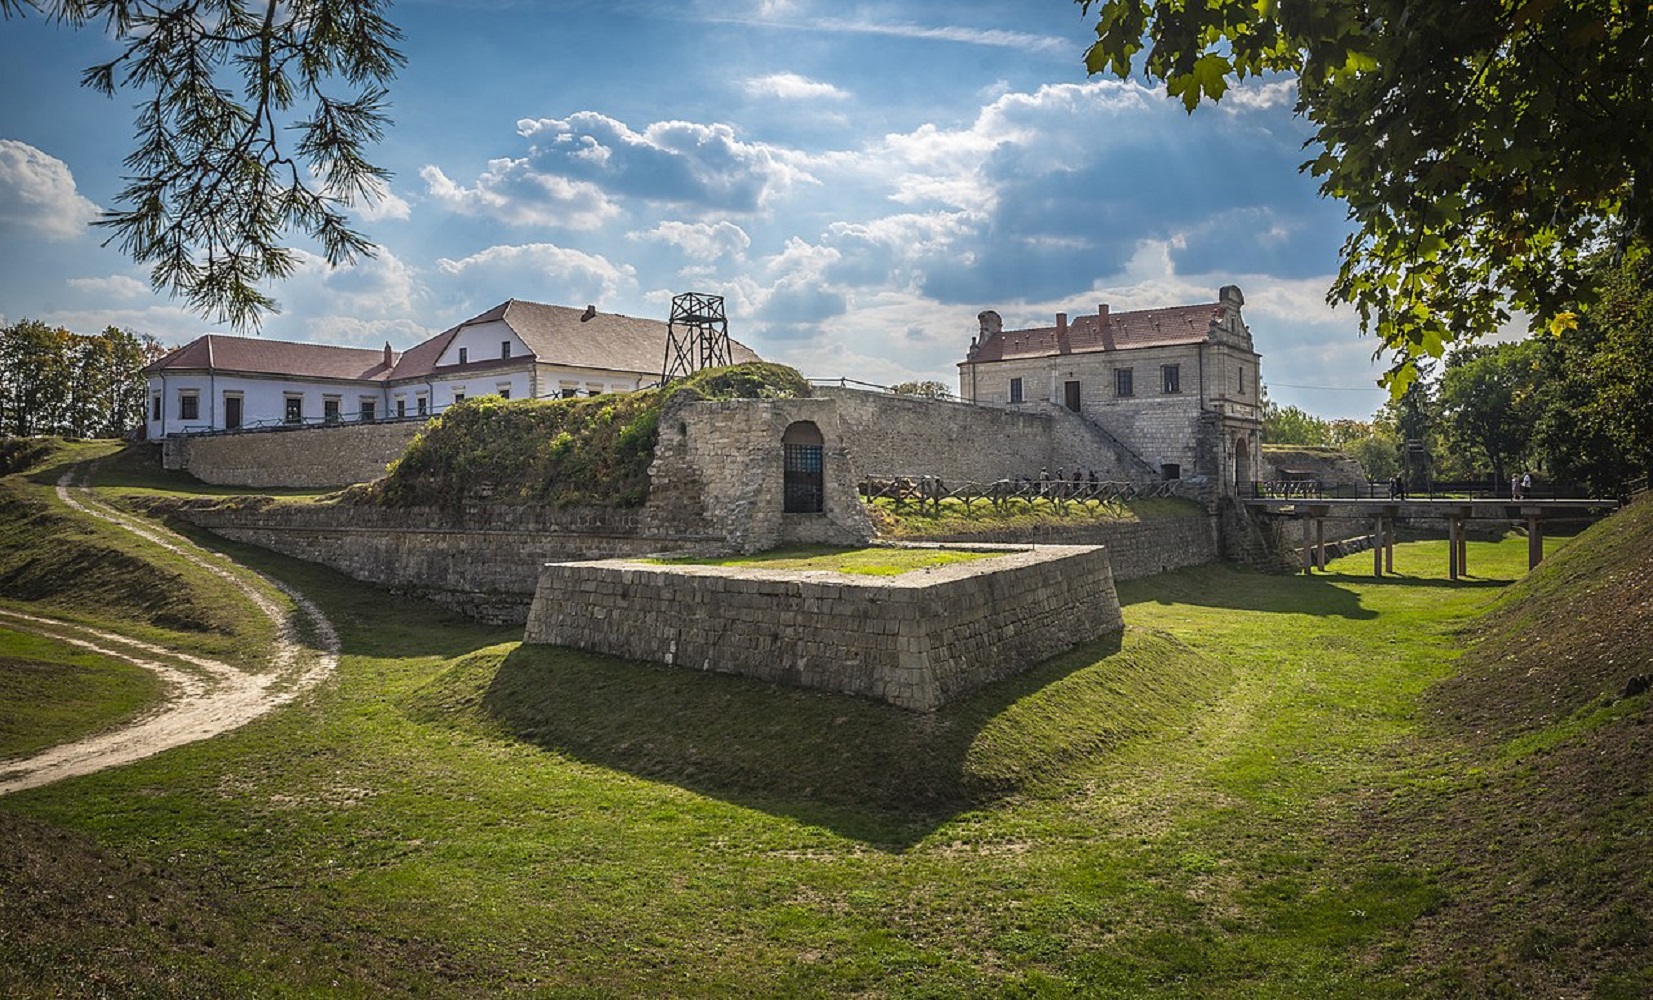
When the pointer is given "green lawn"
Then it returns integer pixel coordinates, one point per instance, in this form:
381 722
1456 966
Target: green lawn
880 560
52 692
1181 812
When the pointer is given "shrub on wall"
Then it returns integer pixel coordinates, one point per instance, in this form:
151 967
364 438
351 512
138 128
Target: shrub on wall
558 452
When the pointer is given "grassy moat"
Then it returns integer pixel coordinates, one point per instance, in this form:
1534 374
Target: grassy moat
1269 786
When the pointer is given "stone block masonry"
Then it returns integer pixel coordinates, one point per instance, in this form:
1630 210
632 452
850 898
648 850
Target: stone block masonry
298 458
483 562
918 640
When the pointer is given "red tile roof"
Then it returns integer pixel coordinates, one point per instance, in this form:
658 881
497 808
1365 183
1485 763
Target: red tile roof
554 334
557 335
256 356
1085 334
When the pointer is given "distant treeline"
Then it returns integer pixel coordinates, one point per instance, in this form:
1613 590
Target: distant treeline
55 381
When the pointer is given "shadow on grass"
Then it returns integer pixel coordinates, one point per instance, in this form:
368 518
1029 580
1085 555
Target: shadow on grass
1324 594
1222 586
369 620
866 770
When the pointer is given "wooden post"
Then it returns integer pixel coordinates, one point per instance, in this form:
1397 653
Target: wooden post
1308 549
1377 546
1389 546
1463 547
1452 548
1535 541
1320 543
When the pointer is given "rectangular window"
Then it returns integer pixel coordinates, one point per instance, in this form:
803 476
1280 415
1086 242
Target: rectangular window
1070 395
1015 390
593 388
330 409
458 398
423 404
189 406
1170 470
569 392
369 411
1241 371
232 411
155 408
1171 377
464 355
505 391
505 348
293 413
1122 382
401 406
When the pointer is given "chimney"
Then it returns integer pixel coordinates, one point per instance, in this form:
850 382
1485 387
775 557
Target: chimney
1062 344
1103 329
390 356
589 314
990 322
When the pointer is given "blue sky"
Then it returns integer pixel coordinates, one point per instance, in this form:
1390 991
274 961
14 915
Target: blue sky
857 180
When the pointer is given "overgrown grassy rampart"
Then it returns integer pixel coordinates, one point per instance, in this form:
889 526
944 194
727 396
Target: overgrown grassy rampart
68 565
557 452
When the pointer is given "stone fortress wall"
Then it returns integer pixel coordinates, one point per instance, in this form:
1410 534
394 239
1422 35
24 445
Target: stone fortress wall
894 435
483 562
916 641
715 484
302 457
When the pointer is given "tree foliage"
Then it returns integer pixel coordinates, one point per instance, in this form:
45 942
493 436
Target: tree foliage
53 381
927 389
1292 425
1373 444
1593 419
1488 402
1485 148
240 136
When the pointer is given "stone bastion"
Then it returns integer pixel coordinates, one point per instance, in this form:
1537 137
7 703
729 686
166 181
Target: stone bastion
917 640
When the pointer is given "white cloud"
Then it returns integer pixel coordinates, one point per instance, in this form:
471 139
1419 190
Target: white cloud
115 286
668 162
1254 96
542 272
172 325
792 87
1021 41
514 192
38 195
384 204
699 241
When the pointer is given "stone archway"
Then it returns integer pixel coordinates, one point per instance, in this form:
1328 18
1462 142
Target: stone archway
1242 461
804 478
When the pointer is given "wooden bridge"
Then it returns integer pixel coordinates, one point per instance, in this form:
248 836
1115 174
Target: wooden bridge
1383 514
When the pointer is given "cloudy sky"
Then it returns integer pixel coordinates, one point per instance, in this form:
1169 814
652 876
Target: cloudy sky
857 180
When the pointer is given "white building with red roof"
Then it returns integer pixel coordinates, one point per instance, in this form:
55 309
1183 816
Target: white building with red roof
518 350
1177 386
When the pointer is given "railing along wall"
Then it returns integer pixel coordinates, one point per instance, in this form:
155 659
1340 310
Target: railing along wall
932 491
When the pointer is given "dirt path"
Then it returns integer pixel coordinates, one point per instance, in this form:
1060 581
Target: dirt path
205 697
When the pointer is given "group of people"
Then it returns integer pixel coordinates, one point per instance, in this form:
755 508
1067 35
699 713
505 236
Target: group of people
1520 486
